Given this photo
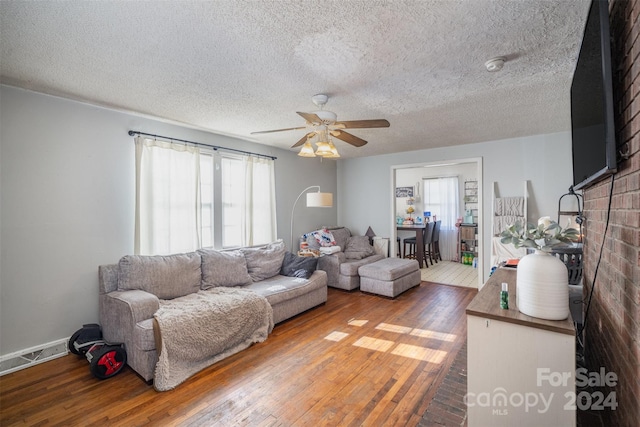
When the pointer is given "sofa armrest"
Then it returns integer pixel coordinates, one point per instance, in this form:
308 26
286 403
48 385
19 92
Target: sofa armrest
331 265
120 311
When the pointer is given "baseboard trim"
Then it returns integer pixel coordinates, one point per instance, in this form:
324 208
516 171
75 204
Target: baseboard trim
28 357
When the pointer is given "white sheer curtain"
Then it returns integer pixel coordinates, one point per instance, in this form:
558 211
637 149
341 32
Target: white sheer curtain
441 198
168 212
248 200
259 213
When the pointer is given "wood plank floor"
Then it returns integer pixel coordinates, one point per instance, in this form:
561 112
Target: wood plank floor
357 360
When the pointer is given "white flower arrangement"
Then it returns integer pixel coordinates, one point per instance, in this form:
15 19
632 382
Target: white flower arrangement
543 237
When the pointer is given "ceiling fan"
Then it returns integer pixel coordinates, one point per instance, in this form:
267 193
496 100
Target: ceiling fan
324 124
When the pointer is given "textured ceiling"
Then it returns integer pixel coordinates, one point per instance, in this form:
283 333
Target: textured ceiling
234 67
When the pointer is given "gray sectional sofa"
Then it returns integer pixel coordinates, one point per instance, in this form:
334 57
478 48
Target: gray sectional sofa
342 267
130 291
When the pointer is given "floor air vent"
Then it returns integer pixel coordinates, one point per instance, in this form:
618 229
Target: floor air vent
32 356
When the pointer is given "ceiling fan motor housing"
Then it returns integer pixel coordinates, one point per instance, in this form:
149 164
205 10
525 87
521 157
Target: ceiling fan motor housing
327 117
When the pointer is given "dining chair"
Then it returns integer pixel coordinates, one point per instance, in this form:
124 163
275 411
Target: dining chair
428 243
435 242
426 238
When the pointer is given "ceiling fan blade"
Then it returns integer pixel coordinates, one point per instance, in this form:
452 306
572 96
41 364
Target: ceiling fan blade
348 138
310 117
362 124
302 140
276 130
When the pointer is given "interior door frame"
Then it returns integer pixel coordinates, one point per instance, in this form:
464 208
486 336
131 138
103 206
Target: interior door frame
392 214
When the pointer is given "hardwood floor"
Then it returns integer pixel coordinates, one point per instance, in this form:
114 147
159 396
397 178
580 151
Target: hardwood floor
357 360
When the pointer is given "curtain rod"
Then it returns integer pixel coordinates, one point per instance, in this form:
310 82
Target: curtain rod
215 147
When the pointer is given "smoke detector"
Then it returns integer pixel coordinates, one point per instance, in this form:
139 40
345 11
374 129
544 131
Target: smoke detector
495 64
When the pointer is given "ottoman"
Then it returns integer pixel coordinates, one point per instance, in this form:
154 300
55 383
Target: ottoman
389 277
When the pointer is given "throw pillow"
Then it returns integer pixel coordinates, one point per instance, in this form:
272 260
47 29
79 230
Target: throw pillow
358 247
298 266
227 268
165 276
265 262
324 237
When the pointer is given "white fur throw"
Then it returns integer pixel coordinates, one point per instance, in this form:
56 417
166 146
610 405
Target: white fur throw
200 329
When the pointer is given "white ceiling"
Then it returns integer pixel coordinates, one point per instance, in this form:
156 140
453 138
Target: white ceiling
238 66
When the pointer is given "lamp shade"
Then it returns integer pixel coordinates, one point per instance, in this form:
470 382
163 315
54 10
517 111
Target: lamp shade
323 149
319 200
334 151
307 150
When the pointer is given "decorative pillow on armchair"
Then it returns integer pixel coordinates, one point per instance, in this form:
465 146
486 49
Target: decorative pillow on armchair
324 237
298 266
358 247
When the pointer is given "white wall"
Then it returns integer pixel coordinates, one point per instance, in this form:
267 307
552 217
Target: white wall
366 193
67 206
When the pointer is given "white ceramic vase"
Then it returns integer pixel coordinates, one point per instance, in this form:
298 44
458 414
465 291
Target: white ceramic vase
542 287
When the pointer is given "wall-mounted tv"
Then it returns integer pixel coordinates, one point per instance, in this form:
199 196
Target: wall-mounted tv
592 118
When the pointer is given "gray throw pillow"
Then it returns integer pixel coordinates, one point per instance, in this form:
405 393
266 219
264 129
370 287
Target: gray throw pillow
228 268
341 235
298 266
358 247
263 263
165 276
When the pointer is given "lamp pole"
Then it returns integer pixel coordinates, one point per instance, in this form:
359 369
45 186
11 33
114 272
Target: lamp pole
294 208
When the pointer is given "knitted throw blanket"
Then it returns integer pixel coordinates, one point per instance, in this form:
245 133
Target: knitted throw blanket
200 329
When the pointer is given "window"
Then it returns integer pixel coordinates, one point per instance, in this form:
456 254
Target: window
191 197
441 198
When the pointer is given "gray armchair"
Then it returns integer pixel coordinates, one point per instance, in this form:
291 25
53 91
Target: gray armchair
342 267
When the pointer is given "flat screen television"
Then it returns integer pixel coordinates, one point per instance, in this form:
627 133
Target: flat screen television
592 122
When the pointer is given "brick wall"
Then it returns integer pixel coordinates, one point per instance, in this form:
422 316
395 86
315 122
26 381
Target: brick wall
612 333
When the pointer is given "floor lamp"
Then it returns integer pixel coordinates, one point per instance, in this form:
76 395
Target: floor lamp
314 200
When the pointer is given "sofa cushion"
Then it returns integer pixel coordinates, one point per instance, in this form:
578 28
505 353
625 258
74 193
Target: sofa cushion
298 266
350 267
279 289
358 247
389 269
264 262
165 276
228 268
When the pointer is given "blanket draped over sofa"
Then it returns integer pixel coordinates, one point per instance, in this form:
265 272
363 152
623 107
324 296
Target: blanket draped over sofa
175 285
199 329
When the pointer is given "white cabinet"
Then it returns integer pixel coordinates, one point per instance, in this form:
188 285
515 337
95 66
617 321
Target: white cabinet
520 370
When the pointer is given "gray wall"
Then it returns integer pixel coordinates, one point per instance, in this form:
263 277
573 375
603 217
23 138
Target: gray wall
67 200
366 193
67 206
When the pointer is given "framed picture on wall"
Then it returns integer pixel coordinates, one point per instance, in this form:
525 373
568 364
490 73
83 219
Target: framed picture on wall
404 191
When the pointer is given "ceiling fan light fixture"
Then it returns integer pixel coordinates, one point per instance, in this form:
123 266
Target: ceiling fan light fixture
323 149
334 151
306 150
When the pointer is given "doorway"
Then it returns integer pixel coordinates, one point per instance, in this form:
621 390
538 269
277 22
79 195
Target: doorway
412 179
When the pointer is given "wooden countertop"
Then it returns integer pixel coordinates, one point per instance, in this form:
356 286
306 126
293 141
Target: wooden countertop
487 304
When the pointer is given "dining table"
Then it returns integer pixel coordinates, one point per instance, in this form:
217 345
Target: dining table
419 230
